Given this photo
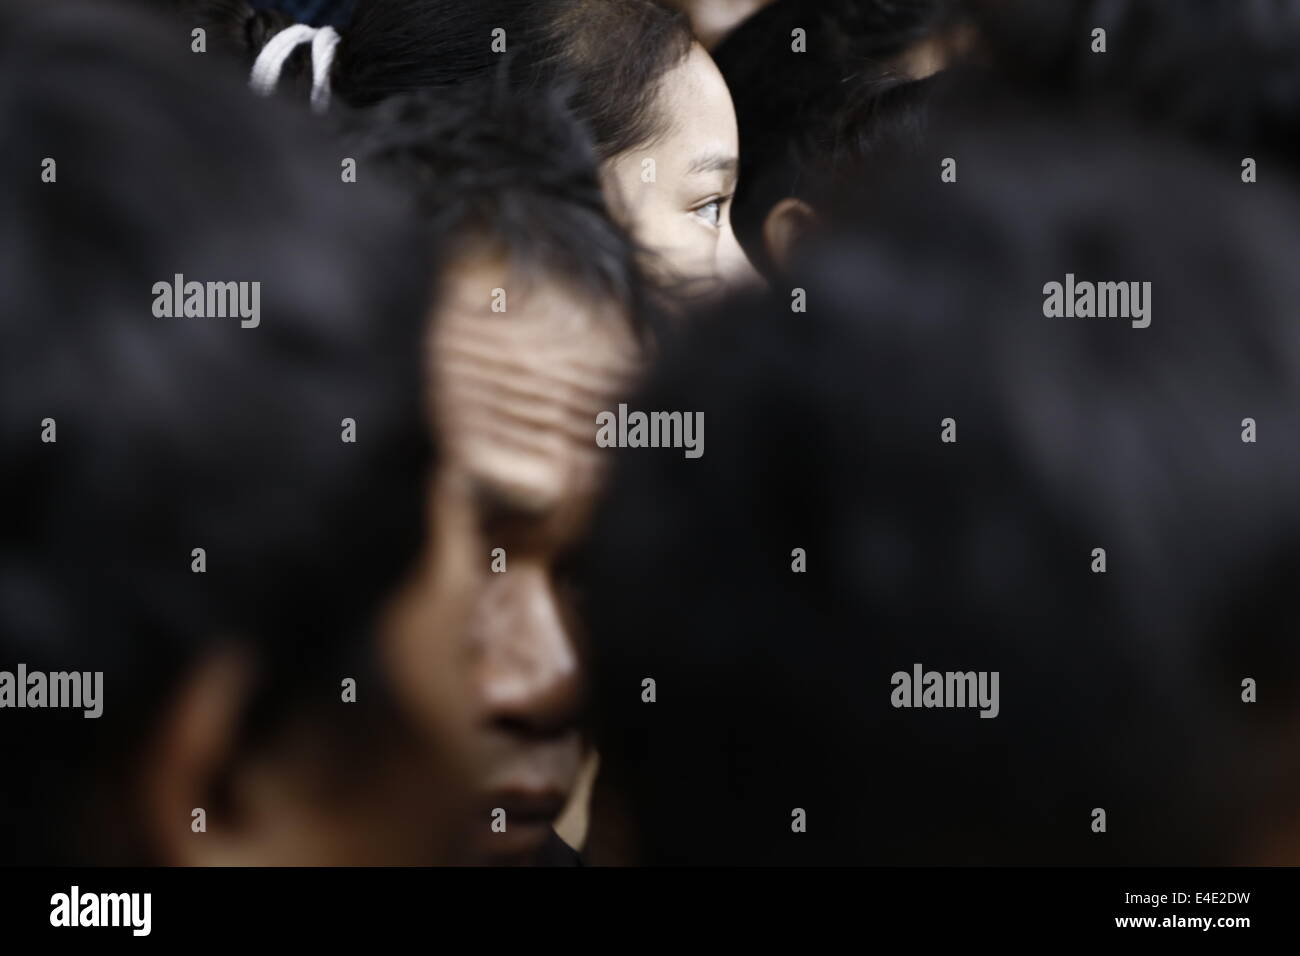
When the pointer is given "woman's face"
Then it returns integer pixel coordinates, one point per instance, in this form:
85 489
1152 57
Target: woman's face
675 192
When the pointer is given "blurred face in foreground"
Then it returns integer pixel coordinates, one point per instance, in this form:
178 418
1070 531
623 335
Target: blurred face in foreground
517 392
356 778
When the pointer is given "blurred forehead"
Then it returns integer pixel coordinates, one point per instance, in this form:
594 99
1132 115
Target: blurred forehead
522 365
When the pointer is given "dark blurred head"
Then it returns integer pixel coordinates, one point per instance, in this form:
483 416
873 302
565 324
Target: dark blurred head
504 175
224 669
1120 691
801 73
540 323
1222 73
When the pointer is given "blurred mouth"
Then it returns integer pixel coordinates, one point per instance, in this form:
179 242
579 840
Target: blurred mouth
525 797
524 808
521 822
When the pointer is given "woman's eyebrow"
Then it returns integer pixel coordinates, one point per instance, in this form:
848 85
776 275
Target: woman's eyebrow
713 163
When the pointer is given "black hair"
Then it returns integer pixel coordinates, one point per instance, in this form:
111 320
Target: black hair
792 106
179 433
235 29
1119 690
585 46
512 170
882 119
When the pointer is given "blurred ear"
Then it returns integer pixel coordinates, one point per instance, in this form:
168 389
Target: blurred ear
193 749
785 226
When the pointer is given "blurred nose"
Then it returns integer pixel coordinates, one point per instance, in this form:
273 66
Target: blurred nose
734 268
530 671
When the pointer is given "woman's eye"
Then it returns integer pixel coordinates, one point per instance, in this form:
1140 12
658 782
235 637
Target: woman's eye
710 212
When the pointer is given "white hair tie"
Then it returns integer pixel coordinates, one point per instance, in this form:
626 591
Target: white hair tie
270 62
